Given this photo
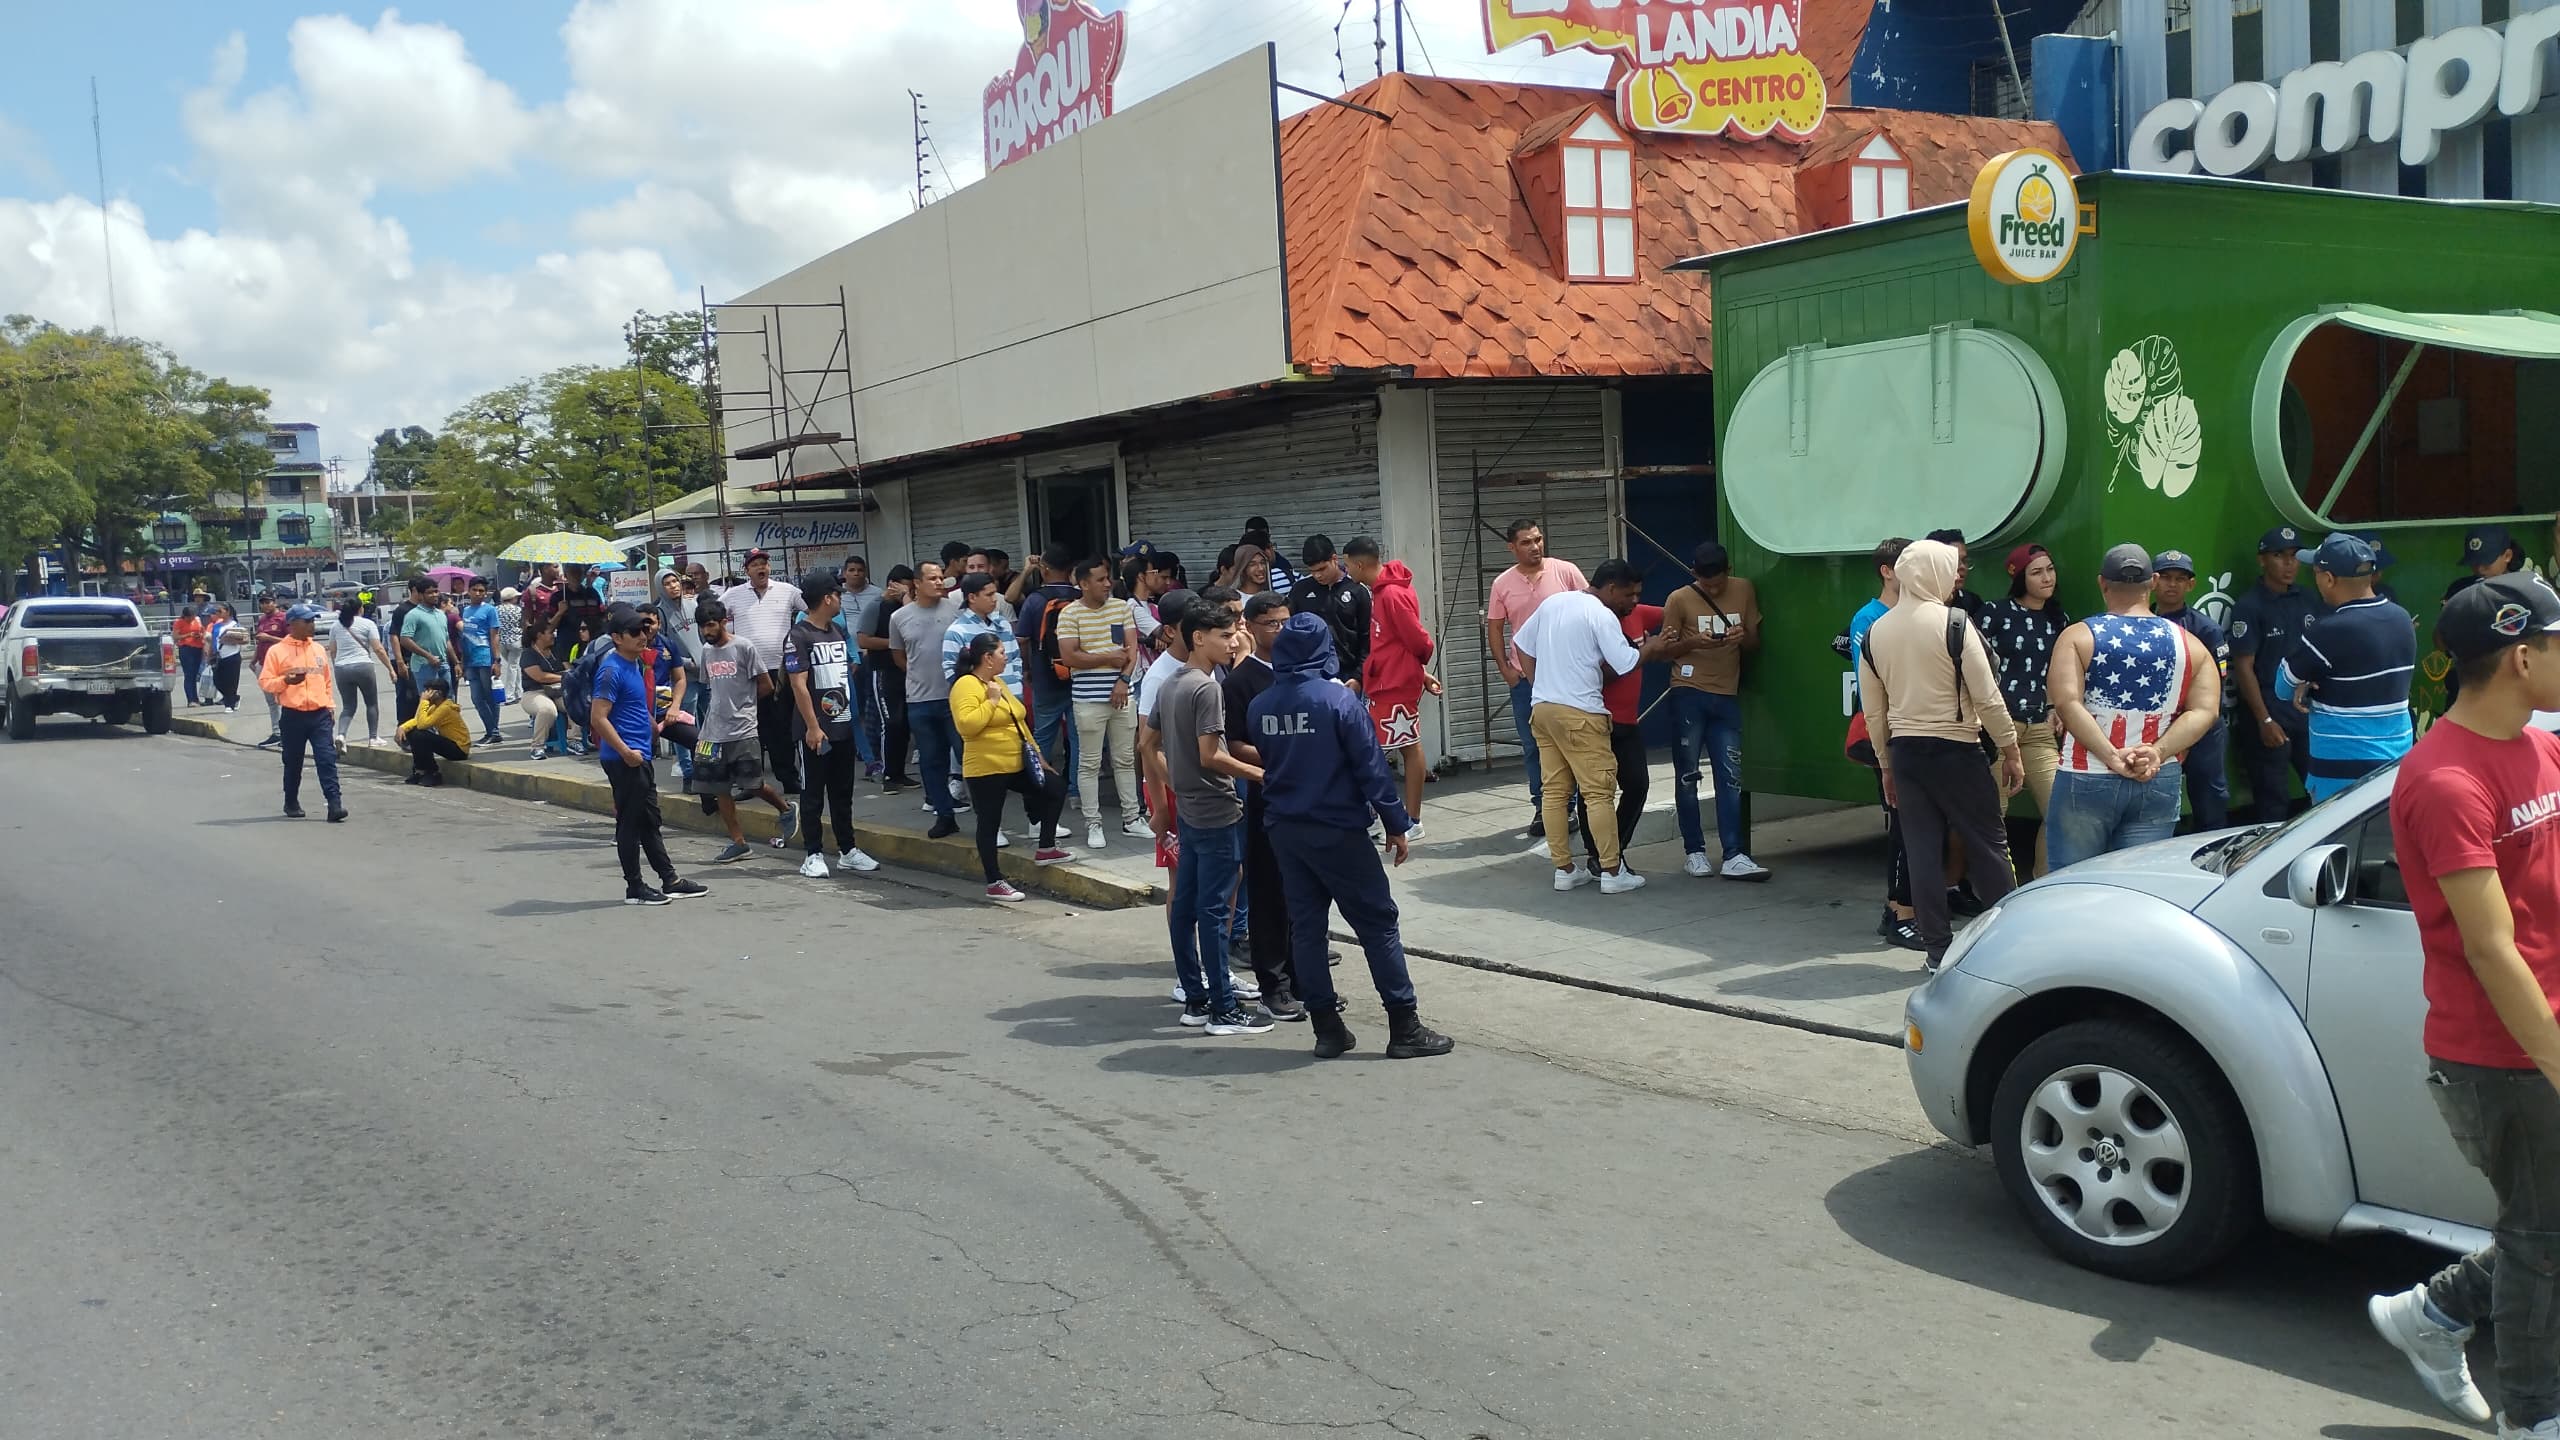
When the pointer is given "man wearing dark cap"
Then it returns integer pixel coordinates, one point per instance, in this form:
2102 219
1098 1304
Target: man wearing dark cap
2351 671
2487 550
2135 693
2475 826
2208 764
2271 739
1341 602
1717 619
760 613
296 677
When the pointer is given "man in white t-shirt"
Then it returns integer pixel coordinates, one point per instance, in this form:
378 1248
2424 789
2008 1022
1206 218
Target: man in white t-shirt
760 613
1569 646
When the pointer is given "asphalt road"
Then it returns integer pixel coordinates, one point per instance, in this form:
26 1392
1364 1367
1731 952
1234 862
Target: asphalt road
408 1128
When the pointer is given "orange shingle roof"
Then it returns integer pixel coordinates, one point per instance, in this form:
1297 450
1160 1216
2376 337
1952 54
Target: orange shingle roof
1411 246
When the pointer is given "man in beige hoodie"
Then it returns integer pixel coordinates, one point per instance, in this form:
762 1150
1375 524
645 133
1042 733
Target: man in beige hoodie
1929 698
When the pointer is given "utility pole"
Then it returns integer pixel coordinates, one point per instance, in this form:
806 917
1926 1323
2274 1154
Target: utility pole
920 129
106 231
1399 37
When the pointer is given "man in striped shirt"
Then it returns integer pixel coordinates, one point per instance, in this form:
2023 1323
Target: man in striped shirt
2351 671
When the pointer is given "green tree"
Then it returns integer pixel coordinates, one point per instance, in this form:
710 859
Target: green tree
576 449
400 457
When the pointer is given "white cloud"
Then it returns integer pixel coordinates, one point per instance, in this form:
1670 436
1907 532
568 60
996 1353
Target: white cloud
744 137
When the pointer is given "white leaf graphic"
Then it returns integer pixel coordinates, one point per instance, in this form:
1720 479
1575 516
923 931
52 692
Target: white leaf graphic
2171 445
2125 387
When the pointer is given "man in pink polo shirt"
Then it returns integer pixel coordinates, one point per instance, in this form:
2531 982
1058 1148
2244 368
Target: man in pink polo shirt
1517 594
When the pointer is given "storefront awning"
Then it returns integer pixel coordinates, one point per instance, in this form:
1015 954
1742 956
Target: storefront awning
2517 334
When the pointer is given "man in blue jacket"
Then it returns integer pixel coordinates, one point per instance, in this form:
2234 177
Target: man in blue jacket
1322 776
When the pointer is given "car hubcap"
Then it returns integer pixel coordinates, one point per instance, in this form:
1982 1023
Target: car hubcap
2108 1157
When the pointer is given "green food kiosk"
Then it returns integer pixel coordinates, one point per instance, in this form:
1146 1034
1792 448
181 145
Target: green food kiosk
2175 361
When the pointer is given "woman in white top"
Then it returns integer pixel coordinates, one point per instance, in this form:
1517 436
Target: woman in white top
356 654
230 641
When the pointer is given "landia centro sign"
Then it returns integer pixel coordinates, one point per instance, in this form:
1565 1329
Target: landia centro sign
1059 84
2444 83
1684 67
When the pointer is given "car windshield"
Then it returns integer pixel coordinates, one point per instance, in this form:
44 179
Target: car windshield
78 617
2250 844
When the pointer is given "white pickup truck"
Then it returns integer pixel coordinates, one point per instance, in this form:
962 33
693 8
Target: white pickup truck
83 655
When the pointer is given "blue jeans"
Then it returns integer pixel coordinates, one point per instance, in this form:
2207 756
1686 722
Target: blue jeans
937 741
1708 725
1520 707
1204 891
1053 729
2209 778
423 673
2095 813
191 665
317 732
484 695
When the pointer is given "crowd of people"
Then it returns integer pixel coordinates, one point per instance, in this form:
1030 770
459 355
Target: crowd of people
2110 720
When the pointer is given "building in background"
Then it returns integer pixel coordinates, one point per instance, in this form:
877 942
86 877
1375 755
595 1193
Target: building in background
280 531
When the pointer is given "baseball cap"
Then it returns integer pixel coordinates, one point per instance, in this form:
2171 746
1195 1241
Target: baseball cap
1136 548
2500 611
1710 559
2283 539
2383 559
1172 603
2173 560
303 612
816 586
753 556
2344 554
2125 565
2484 543
509 593
2023 556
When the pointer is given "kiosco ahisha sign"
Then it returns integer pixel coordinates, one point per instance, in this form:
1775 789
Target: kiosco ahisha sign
1060 84
1687 67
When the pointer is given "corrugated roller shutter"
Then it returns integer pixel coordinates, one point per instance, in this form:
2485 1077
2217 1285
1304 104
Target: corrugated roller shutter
1506 454
980 504
1314 473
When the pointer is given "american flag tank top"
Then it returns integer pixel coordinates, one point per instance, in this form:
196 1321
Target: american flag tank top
2137 672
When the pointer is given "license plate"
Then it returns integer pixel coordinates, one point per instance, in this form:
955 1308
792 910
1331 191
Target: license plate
97 687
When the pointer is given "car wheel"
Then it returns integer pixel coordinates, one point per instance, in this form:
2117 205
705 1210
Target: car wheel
155 714
2125 1150
22 717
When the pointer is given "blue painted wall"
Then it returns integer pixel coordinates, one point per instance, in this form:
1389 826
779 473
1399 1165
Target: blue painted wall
1919 54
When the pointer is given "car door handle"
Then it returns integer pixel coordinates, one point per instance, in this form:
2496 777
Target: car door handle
2274 936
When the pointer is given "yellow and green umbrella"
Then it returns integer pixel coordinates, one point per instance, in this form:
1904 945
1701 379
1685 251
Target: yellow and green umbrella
563 547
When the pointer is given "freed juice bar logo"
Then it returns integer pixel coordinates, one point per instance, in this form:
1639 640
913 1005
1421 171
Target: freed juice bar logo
1684 67
1061 82
2024 216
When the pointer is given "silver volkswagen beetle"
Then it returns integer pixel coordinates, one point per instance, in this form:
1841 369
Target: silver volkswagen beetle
2167 1045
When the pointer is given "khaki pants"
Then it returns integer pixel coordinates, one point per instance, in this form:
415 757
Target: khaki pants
1103 732
1573 750
2038 746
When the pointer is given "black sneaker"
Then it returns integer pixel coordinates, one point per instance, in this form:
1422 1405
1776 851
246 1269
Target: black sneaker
1195 1013
1409 1039
271 742
892 785
1537 828
1333 1038
686 889
432 779
1903 935
1288 1012
943 825
416 777
732 855
1239 1020
1963 903
293 812
644 895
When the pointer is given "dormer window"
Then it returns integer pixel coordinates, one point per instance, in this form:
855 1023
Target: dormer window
1599 202
1879 182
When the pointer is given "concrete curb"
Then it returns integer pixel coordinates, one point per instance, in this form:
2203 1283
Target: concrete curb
1892 1038
574 785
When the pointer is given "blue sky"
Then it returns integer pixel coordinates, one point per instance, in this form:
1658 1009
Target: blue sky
378 213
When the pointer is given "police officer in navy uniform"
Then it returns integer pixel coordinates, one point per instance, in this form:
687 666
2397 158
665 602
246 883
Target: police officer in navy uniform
2265 621
2487 550
2208 764
1323 776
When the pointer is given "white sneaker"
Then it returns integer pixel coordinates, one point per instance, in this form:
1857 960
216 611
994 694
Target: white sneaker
1620 882
1413 833
1093 836
1743 867
854 859
1698 863
2436 1353
1003 841
814 868
1178 997
1574 879
1138 829
1244 987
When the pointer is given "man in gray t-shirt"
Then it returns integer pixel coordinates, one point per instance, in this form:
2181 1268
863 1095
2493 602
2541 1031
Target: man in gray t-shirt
1189 707
915 633
728 756
915 645
730 673
1190 719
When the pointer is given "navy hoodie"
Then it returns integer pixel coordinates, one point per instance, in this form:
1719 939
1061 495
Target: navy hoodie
1320 757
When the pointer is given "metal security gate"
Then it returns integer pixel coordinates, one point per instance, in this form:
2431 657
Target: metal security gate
980 504
1313 473
1509 454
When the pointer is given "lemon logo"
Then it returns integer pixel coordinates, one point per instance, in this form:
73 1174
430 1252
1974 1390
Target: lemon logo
2035 197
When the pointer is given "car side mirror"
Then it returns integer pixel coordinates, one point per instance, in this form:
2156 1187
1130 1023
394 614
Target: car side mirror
2317 878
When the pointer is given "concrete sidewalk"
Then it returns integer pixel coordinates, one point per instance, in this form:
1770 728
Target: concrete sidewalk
1799 949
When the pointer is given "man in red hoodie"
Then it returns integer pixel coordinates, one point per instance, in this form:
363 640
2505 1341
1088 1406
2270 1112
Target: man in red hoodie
1394 677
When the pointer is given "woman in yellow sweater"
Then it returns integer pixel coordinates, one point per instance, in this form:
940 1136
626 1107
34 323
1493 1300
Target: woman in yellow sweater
434 735
998 758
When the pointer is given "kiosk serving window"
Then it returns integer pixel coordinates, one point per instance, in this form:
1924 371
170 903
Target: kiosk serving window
1828 449
2366 416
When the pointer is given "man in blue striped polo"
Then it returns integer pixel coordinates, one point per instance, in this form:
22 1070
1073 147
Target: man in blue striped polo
2351 670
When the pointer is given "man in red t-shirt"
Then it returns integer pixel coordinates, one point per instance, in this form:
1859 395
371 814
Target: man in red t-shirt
272 628
2475 822
1623 695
